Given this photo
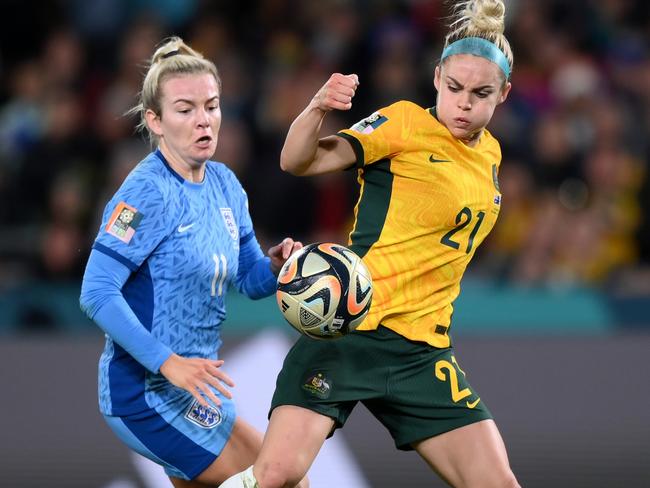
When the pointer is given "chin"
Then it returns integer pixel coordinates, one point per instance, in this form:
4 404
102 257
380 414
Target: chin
205 154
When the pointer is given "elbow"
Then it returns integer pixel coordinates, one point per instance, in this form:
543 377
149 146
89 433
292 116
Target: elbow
256 296
284 163
85 303
289 166
91 299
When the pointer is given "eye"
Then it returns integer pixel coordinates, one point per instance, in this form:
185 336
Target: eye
184 111
482 94
212 108
453 89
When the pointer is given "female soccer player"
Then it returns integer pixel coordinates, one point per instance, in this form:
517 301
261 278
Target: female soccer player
429 196
173 239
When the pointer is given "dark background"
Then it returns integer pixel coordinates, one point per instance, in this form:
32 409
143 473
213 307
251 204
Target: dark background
553 322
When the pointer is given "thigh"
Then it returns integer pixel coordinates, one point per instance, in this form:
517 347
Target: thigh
470 456
291 442
326 377
240 452
182 436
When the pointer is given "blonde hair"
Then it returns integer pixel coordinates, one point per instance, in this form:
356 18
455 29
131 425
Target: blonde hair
480 18
172 57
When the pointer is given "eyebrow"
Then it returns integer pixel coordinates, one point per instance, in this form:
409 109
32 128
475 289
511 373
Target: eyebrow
191 102
479 88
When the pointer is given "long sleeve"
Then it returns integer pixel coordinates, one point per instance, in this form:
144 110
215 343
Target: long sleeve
102 301
254 278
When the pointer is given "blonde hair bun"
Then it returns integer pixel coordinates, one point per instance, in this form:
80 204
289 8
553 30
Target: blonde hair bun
480 18
172 46
487 16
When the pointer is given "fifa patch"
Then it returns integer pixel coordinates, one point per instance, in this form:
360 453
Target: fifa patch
229 220
123 222
318 385
497 199
369 124
206 417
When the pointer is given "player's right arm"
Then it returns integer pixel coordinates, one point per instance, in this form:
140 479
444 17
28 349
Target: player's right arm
102 300
113 259
303 152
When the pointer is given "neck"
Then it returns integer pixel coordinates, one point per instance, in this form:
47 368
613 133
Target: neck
191 171
472 139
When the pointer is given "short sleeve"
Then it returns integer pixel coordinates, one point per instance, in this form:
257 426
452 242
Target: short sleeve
381 135
134 222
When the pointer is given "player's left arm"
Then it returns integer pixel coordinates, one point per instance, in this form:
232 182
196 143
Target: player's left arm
257 274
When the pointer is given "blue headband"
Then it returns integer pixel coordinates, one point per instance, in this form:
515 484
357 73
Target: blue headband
478 47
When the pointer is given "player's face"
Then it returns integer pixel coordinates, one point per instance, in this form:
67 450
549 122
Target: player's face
469 89
190 118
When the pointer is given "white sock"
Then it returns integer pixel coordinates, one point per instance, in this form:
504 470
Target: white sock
245 479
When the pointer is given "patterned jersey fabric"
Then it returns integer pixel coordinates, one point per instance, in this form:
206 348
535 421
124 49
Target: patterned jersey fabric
426 202
181 241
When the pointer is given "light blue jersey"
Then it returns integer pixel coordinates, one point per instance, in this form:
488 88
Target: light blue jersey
181 240
166 253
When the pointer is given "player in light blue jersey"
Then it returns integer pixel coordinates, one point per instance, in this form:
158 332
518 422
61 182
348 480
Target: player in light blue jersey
174 237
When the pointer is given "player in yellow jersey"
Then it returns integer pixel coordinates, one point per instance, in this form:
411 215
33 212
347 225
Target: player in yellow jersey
429 196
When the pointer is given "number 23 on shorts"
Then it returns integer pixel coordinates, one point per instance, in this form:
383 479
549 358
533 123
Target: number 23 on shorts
446 371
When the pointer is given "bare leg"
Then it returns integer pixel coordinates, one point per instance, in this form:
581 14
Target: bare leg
291 443
239 453
473 456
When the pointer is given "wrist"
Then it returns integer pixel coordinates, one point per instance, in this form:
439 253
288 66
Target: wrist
315 108
166 364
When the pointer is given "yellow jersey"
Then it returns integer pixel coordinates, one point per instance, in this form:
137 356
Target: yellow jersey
426 202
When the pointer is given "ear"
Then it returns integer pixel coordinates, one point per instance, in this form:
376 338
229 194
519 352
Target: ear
504 92
436 78
153 122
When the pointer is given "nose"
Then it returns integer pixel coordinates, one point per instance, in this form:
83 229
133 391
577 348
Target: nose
202 118
464 101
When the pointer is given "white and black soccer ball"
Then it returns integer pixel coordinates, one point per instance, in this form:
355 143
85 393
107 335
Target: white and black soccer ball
324 290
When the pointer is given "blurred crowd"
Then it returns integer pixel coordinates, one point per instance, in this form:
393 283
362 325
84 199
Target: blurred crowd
575 131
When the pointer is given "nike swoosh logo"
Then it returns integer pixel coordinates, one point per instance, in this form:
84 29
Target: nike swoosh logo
473 404
183 228
434 160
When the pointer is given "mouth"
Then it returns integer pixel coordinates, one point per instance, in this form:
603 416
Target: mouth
462 122
203 141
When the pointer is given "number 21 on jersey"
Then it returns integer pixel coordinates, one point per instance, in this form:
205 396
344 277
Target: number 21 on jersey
463 219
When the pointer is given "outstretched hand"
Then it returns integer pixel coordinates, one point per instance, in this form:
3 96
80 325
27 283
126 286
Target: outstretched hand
281 252
195 374
337 93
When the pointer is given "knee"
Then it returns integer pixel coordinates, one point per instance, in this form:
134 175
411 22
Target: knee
278 475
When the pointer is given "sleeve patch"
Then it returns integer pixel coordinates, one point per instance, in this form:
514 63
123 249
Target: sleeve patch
369 124
123 222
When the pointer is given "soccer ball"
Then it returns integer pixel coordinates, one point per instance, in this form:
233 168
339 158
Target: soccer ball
324 290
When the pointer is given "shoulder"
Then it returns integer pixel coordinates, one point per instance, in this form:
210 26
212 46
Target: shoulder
403 115
223 176
407 108
221 172
150 177
400 108
396 116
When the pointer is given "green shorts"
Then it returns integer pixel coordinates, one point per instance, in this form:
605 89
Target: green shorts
415 390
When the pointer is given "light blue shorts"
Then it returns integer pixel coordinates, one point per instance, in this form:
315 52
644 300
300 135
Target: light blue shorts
185 439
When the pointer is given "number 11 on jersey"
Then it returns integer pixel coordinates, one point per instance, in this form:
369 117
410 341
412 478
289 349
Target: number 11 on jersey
220 270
